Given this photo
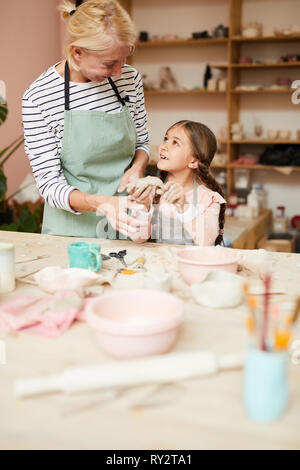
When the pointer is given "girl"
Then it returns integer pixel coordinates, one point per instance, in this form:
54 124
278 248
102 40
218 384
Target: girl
191 209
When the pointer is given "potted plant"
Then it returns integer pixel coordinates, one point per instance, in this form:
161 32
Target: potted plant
25 221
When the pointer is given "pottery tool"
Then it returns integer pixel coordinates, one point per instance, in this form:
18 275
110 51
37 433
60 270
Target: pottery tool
139 264
120 256
157 369
26 281
132 268
24 278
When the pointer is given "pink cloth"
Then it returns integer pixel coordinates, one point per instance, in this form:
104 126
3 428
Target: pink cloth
48 316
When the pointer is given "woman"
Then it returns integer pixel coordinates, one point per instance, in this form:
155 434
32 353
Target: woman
85 133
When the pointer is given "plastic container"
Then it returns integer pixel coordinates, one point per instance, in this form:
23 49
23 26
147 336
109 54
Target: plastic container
265 386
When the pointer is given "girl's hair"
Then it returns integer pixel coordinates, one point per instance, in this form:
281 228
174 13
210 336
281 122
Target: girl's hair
96 25
204 145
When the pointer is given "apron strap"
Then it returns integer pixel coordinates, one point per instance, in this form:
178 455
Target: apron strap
67 87
113 85
195 196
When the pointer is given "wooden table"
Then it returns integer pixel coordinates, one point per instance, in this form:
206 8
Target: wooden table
244 233
206 413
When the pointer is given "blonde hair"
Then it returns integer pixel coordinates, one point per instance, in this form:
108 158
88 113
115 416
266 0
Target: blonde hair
96 25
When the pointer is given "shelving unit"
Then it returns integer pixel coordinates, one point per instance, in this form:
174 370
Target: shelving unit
234 44
183 92
267 91
184 42
273 65
236 41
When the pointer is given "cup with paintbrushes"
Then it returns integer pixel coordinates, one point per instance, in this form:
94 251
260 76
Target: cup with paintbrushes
265 383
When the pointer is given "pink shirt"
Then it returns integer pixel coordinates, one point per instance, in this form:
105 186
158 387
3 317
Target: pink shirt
201 223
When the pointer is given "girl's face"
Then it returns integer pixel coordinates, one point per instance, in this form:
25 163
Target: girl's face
98 66
175 153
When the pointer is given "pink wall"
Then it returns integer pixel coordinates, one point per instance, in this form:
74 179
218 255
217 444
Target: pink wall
30 43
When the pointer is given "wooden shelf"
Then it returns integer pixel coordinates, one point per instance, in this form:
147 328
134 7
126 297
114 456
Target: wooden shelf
292 37
214 165
219 66
265 141
266 65
183 92
265 167
267 91
183 42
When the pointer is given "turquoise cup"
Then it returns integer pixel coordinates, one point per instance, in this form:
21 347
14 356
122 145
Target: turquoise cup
85 255
265 386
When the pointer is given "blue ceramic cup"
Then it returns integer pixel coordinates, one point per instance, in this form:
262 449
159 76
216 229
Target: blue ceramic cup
85 255
265 387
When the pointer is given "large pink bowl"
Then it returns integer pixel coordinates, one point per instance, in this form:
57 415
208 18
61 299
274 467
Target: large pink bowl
195 262
135 323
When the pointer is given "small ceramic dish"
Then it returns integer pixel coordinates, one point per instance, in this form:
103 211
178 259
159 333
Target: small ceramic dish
135 323
196 262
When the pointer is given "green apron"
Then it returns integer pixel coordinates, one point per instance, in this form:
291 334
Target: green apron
97 149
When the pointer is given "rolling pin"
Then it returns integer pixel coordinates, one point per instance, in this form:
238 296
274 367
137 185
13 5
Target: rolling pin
155 369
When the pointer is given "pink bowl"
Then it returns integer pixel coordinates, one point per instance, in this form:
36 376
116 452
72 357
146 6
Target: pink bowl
196 262
135 323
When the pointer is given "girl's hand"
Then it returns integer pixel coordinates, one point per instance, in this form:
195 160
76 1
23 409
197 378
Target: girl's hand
144 197
143 190
174 194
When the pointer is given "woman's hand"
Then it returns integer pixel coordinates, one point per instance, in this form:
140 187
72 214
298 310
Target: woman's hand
174 194
130 175
115 210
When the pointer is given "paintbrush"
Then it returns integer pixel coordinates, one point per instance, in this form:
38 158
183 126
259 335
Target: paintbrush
267 282
296 311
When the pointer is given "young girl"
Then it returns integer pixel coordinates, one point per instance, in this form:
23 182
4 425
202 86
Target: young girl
191 208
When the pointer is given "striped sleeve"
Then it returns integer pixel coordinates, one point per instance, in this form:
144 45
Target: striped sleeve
140 116
42 149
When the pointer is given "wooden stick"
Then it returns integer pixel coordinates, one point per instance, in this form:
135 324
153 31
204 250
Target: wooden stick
28 274
27 281
30 259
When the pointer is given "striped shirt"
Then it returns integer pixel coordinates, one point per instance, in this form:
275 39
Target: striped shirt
43 120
